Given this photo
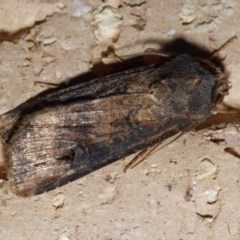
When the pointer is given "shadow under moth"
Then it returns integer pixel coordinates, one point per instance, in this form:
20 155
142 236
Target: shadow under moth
74 129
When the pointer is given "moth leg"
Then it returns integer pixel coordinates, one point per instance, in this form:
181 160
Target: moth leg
140 157
47 83
224 45
3 173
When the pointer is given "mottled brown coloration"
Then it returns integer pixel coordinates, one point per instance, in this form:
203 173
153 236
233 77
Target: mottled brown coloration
64 134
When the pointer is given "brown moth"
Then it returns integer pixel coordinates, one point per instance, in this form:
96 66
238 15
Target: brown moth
65 133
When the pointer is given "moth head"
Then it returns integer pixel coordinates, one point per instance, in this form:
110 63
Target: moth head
212 59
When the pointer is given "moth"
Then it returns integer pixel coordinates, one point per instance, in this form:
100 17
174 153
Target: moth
65 133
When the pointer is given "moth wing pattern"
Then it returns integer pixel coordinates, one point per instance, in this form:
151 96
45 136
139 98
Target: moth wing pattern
61 136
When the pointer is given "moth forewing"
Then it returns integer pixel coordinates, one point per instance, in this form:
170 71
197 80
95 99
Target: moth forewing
60 136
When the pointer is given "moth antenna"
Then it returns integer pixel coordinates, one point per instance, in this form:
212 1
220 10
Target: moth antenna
223 46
